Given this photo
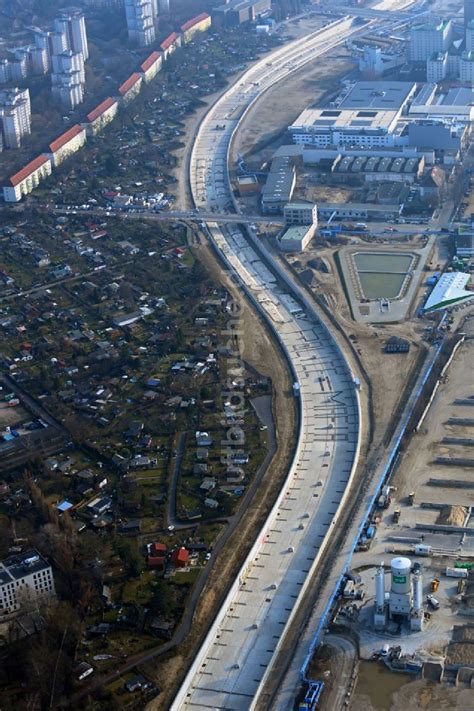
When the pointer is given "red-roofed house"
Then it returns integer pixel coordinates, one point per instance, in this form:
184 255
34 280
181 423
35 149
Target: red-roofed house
99 117
151 66
170 44
179 557
157 548
27 179
69 142
200 23
131 87
156 561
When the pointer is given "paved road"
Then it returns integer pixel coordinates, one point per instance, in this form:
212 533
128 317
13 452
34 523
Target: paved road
167 216
241 644
288 680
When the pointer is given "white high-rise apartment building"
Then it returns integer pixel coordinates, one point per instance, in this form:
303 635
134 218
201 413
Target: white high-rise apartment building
68 77
428 39
141 16
68 90
68 62
15 116
72 23
470 36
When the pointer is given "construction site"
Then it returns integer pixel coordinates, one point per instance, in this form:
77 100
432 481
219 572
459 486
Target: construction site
407 603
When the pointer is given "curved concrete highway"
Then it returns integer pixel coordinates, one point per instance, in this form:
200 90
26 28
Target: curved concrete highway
250 626
234 662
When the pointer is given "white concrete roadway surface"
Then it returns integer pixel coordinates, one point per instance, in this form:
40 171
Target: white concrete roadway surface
238 652
231 664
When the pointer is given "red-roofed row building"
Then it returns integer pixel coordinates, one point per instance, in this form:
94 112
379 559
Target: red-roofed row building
99 117
170 44
200 23
67 143
131 87
151 66
27 179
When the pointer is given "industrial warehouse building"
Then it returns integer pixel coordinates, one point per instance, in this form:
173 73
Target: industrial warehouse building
281 181
464 242
449 291
366 115
296 238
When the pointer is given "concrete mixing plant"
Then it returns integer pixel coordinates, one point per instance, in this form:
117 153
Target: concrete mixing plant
404 600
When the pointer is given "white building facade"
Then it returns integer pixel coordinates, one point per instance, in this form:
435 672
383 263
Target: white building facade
24 576
428 39
27 179
437 67
15 116
140 16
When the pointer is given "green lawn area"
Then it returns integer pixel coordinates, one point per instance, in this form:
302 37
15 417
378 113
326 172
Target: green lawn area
187 578
139 589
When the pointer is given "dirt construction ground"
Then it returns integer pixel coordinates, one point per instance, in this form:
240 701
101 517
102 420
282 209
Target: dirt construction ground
285 101
422 695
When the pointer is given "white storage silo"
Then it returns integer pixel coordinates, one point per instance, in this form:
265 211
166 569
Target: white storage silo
400 574
417 592
380 587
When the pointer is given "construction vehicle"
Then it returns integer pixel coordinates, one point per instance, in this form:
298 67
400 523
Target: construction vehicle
385 498
396 515
411 498
434 584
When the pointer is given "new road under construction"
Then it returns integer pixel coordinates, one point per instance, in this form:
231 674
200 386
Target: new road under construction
234 664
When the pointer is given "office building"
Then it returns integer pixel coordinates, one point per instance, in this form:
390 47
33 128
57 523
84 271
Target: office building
437 67
24 576
140 16
466 67
15 116
237 12
468 11
427 39
300 213
366 115
469 36
464 242
5 74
